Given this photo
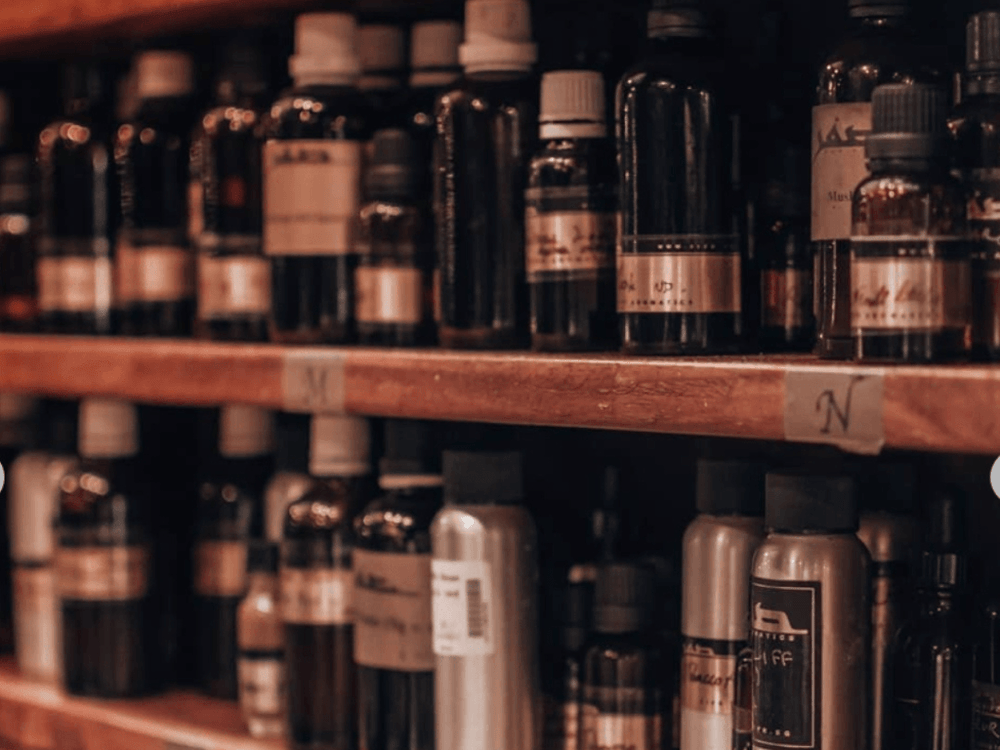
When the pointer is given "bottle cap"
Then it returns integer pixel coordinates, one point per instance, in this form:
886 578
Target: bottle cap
326 49
877 8
262 557
241 67
982 42
482 478
412 455
85 80
799 503
908 121
434 53
624 598
677 18
391 173
109 428
575 613
340 446
245 431
382 49
497 37
160 74
730 487
572 105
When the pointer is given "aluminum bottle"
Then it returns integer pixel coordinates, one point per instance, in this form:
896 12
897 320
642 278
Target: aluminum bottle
810 618
717 553
484 582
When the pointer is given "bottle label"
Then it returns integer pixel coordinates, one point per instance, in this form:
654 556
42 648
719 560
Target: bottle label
608 731
462 607
838 165
985 716
48 284
787 297
233 285
102 573
220 568
707 689
85 284
164 273
682 274
389 295
561 724
261 684
392 611
317 596
36 621
312 194
786 638
579 241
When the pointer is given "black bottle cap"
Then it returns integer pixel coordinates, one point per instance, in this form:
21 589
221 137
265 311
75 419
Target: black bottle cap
677 18
982 42
730 487
908 121
262 557
878 8
241 67
391 172
482 478
806 502
87 81
624 598
411 447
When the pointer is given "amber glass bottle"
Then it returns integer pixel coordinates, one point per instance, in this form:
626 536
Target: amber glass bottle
382 49
18 238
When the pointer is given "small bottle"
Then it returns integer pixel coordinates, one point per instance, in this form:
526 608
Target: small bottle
78 206
104 565
562 670
910 264
317 585
154 266
291 478
261 661
18 238
717 553
679 264
986 674
234 277
229 514
810 618
382 49
571 217
392 604
312 184
485 135
625 701
390 282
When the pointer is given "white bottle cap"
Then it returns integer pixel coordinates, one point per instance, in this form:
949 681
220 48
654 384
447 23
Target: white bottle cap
326 49
572 105
163 73
109 428
34 502
434 52
497 37
340 446
245 431
382 49
16 407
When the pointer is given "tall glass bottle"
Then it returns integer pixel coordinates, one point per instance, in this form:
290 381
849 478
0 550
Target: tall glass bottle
679 268
485 134
986 674
291 478
312 184
562 671
382 49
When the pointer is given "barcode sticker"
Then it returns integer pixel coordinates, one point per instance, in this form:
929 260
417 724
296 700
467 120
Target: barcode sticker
462 607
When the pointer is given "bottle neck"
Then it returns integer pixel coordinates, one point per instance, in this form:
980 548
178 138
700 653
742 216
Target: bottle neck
434 78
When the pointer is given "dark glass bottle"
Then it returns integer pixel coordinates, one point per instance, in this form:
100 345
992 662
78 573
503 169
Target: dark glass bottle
485 135
154 266
79 207
104 565
571 217
986 677
679 268
230 512
878 48
392 567
562 673
910 265
312 184
382 49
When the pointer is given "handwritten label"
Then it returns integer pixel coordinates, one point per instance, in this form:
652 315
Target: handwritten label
462 607
575 241
316 596
708 674
835 405
985 716
313 382
838 165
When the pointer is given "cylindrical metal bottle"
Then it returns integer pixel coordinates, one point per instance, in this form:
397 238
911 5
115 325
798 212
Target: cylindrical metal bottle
484 581
810 618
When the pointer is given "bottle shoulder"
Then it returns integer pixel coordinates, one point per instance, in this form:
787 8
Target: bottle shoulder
318 113
398 521
482 97
932 203
574 163
222 120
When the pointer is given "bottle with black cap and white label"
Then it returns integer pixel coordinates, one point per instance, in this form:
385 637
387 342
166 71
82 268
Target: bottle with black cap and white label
484 579
313 161
317 587
104 560
571 217
911 283
392 596
382 49
810 618
878 48
717 552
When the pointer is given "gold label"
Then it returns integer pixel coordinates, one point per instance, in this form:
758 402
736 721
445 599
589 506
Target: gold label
102 573
388 295
688 282
568 240
838 165
707 680
317 596
787 296
233 285
392 611
220 568
312 194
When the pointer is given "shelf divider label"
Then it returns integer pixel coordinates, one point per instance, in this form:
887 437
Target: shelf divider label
313 382
840 406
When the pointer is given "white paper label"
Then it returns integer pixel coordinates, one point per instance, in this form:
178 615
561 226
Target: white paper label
261 685
316 596
233 285
163 274
85 284
462 607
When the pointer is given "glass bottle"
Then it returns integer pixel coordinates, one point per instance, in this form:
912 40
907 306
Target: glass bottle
291 478
104 565
679 268
382 49
986 676
229 514
312 184
571 217
485 136
563 671
910 265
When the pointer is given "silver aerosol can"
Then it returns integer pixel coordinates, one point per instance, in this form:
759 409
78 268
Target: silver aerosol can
810 618
484 582
717 553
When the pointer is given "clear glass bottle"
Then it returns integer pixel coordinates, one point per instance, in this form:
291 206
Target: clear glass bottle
382 49
313 159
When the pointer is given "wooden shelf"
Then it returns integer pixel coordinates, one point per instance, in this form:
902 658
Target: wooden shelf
938 408
40 717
